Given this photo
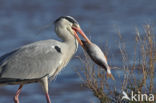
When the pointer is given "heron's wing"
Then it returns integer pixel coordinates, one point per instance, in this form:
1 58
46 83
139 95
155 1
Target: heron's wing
5 56
32 61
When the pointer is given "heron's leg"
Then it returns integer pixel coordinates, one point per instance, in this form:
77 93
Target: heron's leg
48 98
44 83
16 100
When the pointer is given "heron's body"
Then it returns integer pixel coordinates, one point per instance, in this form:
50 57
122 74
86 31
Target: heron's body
48 56
43 60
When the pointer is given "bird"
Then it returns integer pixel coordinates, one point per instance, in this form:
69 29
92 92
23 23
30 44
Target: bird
97 56
41 61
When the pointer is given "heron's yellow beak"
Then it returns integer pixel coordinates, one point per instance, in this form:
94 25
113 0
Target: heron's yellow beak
77 29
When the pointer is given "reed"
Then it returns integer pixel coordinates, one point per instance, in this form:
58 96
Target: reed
138 71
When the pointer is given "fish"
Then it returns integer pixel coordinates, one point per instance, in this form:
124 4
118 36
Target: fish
96 54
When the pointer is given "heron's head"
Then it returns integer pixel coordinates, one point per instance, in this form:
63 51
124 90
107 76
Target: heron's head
69 24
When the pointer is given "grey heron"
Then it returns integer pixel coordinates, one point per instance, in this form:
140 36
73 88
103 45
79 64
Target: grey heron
41 61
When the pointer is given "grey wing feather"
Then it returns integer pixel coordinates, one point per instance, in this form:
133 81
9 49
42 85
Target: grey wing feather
31 61
2 58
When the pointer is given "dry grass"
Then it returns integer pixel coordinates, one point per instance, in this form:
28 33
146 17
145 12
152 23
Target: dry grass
138 73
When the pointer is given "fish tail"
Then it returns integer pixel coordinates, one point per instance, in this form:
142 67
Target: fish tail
110 76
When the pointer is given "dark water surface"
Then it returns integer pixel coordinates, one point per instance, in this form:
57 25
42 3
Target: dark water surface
26 21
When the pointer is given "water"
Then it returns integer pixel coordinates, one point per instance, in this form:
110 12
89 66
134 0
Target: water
23 22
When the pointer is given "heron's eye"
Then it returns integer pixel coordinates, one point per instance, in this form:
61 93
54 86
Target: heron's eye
75 25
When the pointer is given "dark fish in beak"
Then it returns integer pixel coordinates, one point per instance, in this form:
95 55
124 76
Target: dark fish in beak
97 56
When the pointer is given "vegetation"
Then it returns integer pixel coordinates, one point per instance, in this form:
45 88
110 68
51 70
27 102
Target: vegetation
136 74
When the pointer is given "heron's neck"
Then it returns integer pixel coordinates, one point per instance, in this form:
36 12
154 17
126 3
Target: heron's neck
66 36
71 42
